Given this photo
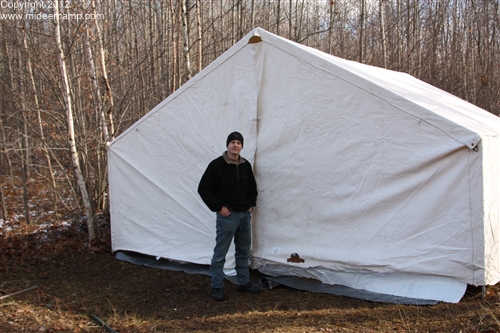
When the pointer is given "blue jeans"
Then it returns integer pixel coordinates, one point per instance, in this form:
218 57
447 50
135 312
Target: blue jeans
237 226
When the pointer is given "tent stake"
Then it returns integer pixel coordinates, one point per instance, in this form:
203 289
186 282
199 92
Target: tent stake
103 324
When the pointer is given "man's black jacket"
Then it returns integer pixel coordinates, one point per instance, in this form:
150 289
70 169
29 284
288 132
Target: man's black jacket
228 184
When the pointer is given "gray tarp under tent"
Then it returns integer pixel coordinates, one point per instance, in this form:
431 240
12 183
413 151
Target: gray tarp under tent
270 282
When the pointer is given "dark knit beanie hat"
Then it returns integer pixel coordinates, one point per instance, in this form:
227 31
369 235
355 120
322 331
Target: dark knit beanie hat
234 136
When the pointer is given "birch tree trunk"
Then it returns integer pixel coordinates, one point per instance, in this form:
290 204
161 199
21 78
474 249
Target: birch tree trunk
71 128
198 27
105 135
400 34
185 30
97 92
110 131
174 51
252 16
382 32
179 28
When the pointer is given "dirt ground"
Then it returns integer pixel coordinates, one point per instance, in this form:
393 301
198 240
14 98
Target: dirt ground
78 288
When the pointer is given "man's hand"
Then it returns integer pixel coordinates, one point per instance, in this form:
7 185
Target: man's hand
224 211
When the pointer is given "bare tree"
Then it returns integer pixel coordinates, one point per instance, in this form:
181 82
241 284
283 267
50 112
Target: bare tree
362 31
109 135
71 129
382 32
199 39
278 17
186 33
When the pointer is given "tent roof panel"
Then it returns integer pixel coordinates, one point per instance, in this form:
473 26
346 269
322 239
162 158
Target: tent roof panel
430 104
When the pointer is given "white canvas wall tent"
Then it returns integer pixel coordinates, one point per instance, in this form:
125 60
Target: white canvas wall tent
376 180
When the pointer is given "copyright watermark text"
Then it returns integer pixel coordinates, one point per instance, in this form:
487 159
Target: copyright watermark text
41 10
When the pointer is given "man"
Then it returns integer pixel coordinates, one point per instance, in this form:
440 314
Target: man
228 188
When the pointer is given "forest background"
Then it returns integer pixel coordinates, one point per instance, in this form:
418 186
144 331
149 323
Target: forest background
75 74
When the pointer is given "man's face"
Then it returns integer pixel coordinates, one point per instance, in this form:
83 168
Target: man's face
234 147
